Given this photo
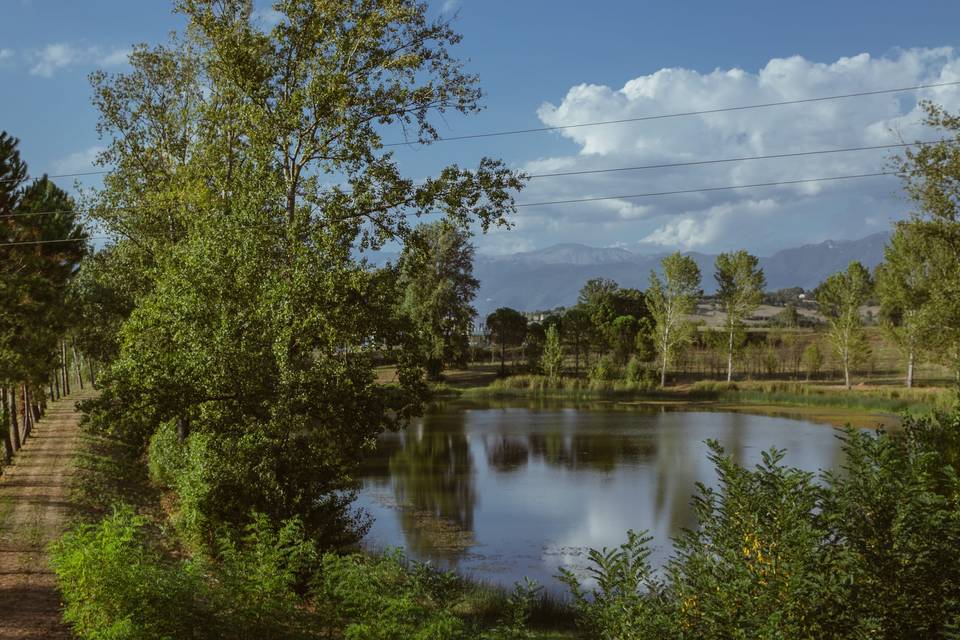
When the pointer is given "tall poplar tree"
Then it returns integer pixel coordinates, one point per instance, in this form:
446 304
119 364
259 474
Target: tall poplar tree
740 283
903 287
670 301
437 288
840 297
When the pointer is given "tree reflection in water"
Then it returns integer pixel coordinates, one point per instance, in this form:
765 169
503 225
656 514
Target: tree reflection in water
556 479
433 482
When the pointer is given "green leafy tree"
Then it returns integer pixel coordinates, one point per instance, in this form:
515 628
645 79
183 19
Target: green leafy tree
931 178
670 302
436 278
623 337
41 243
258 328
576 332
508 328
553 356
740 284
904 290
812 360
533 345
789 317
840 297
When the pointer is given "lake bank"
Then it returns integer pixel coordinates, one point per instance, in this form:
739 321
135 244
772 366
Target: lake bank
868 406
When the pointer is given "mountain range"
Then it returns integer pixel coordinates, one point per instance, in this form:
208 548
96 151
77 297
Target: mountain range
552 277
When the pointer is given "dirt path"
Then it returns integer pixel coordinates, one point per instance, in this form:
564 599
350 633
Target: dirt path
34 504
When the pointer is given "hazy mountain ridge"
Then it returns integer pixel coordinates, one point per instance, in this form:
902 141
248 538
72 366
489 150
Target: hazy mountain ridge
553 276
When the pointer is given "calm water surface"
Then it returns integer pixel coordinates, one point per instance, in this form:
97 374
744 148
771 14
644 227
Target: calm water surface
500 493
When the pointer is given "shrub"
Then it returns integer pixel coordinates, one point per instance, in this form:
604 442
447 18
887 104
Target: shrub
165 455
116 584
603 370
382 598
866 553
623 605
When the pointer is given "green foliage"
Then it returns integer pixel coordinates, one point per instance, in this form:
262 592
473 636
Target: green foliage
812 359
577 329
670 302
868 552
38 256
519 606
437 288
789 317
603 369
553 356
740 284
840 297
382 598
533 346
508 328
904 291
622 333
897 507
249 315
165 456
118 583
621 606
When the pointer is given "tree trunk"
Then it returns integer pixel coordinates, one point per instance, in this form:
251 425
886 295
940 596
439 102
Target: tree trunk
576 357
7 445
910 369
14 425
503 358
93 379
183 429
76 363
56 382
27 413
730 358
66 368
846 373
52 399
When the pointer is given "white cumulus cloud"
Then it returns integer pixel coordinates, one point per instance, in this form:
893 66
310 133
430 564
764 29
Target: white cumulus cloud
78 161
51 58
761 219
45 62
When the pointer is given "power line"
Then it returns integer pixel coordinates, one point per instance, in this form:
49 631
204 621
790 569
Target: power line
599 198
62 175
738 159
633 168
681 114
708 189
25 214
27 242
621 121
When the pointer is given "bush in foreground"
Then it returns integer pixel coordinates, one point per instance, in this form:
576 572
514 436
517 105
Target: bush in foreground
866 553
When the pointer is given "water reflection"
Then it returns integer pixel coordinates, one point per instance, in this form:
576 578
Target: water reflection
507 491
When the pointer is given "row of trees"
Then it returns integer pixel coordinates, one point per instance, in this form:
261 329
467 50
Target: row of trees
659 324
41 244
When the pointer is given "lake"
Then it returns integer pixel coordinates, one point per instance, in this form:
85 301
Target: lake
503 492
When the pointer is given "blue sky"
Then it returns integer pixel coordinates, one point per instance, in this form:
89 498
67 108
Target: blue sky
563 62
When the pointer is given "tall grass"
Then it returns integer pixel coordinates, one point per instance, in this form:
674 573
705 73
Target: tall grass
880 399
